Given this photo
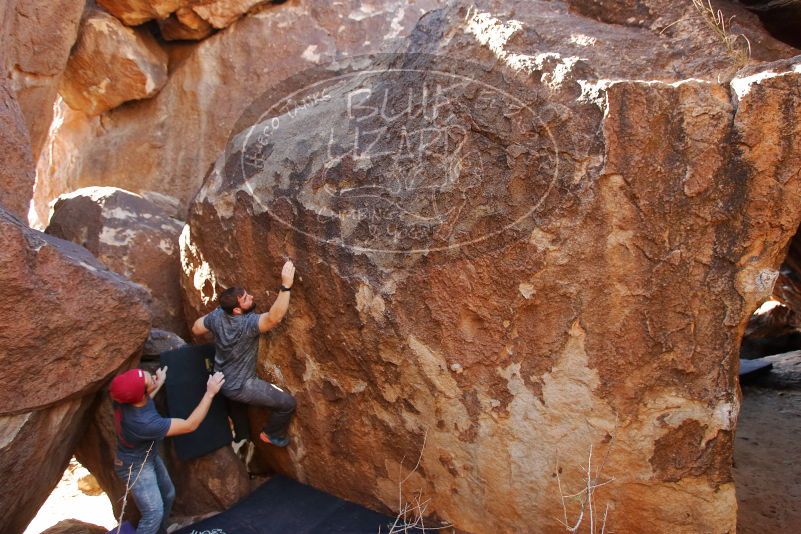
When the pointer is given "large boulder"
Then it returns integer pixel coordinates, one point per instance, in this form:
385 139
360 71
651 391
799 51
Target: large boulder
521 257
35 448
168 142
69 321
35 41
111 64
70 324
131 236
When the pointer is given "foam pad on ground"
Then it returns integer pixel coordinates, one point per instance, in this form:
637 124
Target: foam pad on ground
189 369
748 367
282 505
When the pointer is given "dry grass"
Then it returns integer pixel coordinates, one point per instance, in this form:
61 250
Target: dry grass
411 515
737 45
585 498
129 485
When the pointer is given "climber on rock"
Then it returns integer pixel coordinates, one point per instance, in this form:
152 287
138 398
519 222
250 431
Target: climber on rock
139 427
236 332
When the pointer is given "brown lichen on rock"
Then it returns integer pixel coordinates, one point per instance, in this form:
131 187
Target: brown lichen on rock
687 451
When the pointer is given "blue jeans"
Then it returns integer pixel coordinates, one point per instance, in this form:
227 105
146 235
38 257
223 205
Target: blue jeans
153 492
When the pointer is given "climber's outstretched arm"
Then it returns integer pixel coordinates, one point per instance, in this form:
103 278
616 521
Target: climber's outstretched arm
199 328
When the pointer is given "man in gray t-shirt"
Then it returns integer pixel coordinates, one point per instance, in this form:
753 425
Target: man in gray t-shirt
236 330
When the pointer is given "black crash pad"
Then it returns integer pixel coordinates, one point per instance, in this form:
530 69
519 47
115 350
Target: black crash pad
188 371
284 506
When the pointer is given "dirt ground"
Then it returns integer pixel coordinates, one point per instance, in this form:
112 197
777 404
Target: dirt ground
767 452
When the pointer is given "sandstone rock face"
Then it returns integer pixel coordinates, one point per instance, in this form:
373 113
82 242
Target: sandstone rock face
211 483
222 13
35 38
70 322
185 24
518 255
111 64
167 143
16 173
135 12
131 236
35 448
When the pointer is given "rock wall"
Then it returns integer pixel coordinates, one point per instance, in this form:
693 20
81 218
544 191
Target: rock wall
167 143
35 449
518 253
61 304
209 484
36 38
16 175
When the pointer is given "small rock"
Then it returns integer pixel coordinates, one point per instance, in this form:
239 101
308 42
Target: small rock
527 290
161 341
88 485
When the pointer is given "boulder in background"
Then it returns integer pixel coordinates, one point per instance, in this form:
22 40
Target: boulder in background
111 64
131 236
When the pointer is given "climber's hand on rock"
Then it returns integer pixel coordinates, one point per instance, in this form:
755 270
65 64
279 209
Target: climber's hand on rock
215 382
288 274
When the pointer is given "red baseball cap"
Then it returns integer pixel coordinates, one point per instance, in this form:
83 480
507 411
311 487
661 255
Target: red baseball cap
128 387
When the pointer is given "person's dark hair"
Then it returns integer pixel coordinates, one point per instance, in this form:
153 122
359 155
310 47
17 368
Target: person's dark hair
228 299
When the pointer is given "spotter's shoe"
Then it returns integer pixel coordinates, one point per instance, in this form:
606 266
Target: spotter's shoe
274 440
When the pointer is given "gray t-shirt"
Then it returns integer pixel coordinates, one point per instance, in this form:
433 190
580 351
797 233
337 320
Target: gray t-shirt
236 339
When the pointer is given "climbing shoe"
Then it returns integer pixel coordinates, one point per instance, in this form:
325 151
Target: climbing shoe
278 441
